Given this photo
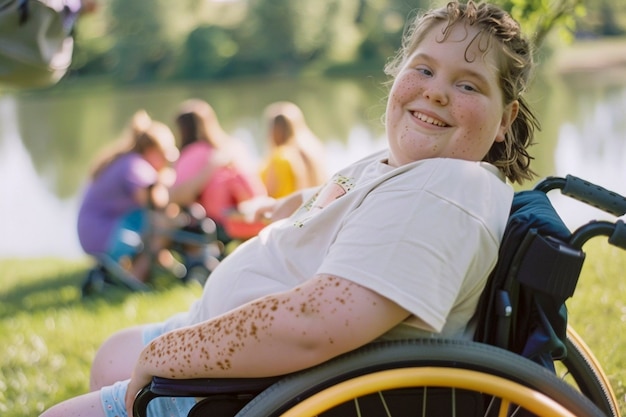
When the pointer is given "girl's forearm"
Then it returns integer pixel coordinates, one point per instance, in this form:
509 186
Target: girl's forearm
311 324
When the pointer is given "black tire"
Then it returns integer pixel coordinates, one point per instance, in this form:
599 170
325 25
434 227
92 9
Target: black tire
436 354
94 282
197 273
587 376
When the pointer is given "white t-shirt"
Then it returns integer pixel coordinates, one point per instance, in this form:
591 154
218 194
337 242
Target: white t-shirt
425 235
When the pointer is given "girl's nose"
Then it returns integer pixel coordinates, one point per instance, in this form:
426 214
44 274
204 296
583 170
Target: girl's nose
436 93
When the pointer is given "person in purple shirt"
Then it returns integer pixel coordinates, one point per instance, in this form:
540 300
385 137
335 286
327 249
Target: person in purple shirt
126 181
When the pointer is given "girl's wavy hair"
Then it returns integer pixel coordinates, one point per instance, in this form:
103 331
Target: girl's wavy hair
142 133
515 54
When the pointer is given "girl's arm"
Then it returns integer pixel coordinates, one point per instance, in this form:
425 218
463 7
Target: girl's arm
276 209
316 321
186 192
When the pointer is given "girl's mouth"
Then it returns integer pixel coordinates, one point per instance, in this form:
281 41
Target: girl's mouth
428 119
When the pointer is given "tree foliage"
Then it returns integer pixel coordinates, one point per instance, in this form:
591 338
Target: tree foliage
540 17
145 40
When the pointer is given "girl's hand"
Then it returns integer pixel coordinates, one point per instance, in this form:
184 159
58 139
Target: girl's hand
257 209
159 196
136 384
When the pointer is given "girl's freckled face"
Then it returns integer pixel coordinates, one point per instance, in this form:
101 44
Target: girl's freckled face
440 105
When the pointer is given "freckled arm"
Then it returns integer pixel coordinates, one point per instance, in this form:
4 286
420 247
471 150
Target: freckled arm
277 334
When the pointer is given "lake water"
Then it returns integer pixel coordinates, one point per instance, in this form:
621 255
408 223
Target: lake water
48 139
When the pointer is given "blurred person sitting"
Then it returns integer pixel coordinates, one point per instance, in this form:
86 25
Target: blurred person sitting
127 181
296 157
214 167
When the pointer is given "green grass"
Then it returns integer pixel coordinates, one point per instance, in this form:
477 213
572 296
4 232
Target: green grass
49 335
598 311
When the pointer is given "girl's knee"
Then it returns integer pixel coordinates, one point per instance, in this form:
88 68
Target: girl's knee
115 359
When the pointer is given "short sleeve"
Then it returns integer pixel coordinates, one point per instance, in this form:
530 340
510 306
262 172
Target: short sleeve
192 160
140 173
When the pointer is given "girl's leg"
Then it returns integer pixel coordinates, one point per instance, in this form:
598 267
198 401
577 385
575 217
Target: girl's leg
115 360
110 403
88 405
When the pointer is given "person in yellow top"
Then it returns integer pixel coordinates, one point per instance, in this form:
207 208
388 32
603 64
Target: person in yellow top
296 157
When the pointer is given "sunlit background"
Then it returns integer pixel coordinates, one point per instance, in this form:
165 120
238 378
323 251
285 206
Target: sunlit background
325 55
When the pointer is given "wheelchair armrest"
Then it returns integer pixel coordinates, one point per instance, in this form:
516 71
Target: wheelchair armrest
201 387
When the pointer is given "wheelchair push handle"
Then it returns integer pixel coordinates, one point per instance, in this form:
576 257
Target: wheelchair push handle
589 193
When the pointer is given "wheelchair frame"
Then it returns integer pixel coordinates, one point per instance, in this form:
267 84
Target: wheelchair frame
489 373
194 230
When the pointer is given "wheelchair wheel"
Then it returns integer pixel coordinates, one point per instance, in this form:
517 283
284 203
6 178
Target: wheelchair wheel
422 378
581 369
94 281
197 272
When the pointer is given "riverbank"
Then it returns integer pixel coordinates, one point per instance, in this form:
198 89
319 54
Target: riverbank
591 55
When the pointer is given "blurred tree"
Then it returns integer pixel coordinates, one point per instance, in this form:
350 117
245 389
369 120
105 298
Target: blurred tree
602 18
142 40
141 30
609 25
207 51
382 23
283 35
540 17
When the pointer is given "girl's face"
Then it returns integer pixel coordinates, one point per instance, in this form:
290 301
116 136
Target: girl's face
156 157
441 106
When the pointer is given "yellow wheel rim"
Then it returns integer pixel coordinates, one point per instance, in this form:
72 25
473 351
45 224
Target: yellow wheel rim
510 392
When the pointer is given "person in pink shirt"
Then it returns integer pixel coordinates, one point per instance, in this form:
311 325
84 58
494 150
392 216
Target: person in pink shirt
214 167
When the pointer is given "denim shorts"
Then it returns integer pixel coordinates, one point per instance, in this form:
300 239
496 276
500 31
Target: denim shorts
127 238
113 396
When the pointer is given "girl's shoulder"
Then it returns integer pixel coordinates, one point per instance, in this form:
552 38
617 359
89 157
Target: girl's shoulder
198 147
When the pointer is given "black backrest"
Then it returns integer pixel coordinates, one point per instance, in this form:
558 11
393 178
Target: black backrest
522 308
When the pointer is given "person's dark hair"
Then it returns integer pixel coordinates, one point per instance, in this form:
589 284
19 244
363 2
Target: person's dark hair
187 127
497 29
196 120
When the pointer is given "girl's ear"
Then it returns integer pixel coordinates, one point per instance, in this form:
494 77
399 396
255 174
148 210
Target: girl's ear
509 114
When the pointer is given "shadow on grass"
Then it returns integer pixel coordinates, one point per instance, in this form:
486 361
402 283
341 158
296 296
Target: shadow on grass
63 291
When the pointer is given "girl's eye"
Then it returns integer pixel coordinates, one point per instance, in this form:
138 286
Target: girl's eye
425 71
468 87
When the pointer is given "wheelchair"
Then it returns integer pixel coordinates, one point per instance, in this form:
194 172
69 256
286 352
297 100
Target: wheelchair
524 359
193 246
